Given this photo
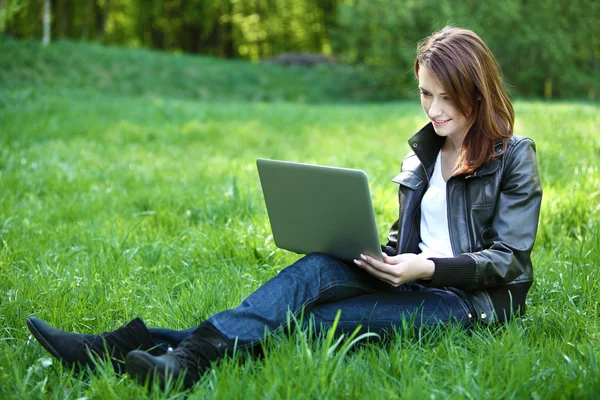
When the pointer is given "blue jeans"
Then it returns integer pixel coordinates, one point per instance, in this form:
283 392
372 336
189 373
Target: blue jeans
320 285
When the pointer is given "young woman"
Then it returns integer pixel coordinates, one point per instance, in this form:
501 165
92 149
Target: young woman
469 196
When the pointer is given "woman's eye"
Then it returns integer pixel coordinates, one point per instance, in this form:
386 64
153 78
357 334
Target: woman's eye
426 94
448 99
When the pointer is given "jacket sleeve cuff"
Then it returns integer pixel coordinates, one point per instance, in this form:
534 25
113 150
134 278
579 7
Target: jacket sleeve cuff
389 250
458 272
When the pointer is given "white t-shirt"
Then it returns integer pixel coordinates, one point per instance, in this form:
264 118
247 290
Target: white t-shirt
435 236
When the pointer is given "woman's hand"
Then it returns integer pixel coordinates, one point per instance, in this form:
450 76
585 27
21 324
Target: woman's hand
399 269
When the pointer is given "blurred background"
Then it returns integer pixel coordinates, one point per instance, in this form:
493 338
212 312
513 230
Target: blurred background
546 48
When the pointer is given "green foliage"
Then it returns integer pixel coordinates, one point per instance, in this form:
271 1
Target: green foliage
225 28
545 49
8 11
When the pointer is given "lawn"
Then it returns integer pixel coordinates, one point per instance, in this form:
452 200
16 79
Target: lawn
116 203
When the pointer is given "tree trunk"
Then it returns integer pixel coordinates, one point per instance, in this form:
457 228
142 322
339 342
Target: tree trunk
47 14
88 20
62 17
3 22
101 18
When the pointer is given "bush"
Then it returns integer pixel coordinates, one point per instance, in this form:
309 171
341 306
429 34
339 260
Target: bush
545 49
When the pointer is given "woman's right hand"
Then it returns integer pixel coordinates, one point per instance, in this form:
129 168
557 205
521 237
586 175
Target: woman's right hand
398 269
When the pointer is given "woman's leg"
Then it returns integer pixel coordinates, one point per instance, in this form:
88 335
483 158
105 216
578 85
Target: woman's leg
381 312
377 312
313 280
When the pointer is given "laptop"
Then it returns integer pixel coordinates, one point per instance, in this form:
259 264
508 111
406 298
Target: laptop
316 208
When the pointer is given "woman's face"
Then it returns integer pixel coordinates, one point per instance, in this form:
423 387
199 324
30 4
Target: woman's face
447 120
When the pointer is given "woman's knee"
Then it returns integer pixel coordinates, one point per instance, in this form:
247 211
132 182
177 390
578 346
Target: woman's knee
315 264
320 259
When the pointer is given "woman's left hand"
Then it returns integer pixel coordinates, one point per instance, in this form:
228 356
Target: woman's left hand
398 269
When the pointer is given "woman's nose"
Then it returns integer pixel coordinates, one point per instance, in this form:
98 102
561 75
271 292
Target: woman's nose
434 109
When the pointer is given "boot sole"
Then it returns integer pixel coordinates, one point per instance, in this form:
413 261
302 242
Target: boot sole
42 340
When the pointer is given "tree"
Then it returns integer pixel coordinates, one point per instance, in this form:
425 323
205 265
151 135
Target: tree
102 17
8 9
47 15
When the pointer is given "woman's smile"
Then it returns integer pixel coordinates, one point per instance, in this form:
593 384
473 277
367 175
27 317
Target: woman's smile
438 122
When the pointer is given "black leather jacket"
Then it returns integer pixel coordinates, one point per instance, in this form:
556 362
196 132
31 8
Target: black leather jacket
492 217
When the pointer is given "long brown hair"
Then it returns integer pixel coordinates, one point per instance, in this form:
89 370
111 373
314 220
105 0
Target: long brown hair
466 68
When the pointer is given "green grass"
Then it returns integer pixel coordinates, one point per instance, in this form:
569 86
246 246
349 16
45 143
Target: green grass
150 73
116 204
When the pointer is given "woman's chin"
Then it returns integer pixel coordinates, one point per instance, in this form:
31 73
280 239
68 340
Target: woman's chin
440 131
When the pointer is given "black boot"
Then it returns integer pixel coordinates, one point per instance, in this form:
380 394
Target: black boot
191 358
77 349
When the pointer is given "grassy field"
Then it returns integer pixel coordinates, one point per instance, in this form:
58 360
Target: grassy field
118 203
142 72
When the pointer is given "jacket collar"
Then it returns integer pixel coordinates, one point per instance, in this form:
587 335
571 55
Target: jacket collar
426 145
